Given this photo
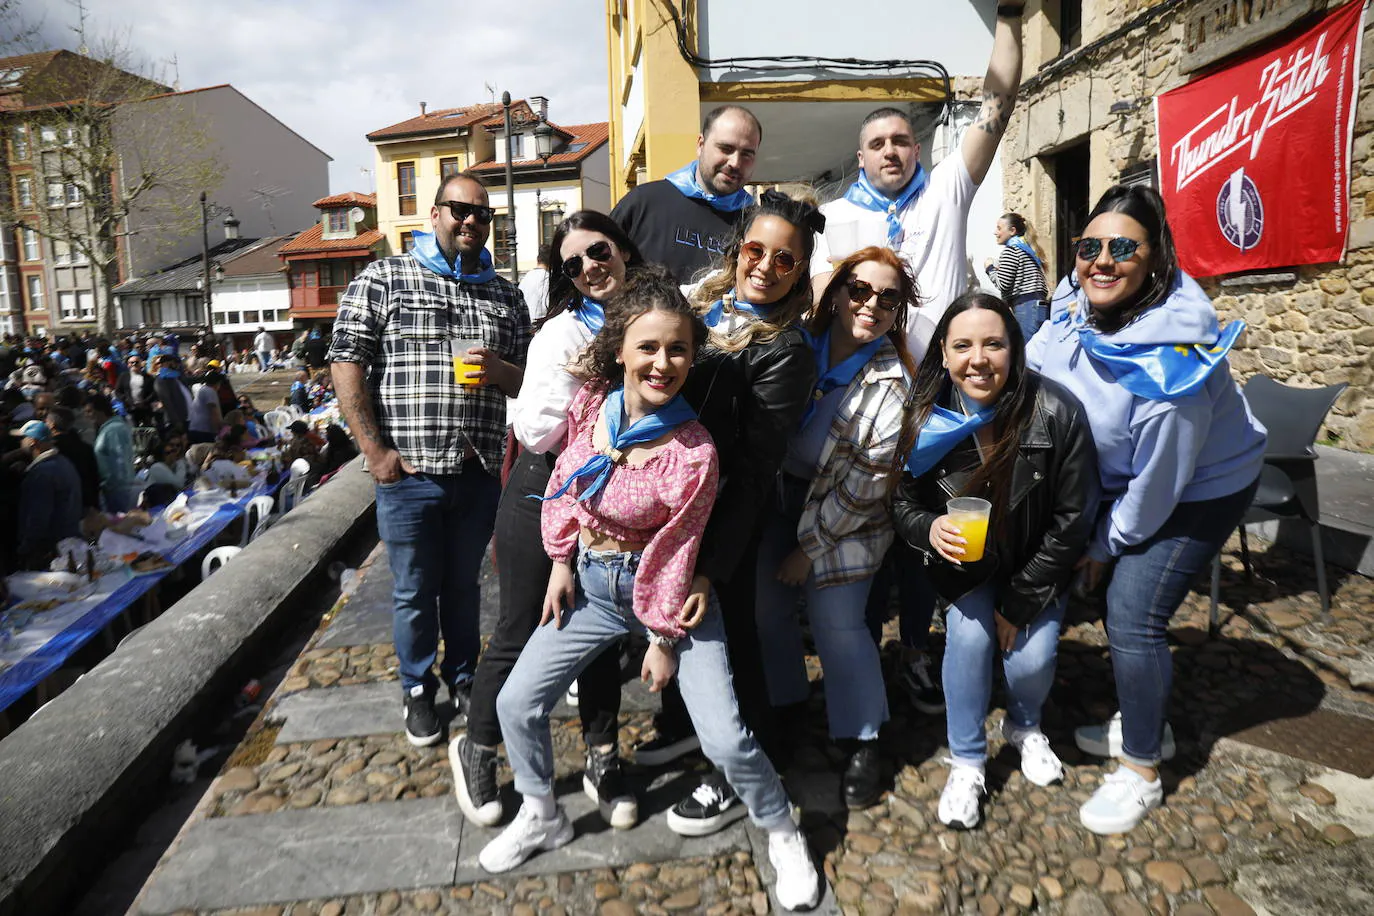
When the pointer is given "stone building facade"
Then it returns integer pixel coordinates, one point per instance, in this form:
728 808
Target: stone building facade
1085 121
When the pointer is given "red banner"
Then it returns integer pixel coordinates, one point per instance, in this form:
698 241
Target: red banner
1254 160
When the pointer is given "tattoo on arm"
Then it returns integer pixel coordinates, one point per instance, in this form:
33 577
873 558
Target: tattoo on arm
359 409
995 115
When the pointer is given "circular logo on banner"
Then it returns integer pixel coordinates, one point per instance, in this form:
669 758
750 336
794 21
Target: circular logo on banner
1240 212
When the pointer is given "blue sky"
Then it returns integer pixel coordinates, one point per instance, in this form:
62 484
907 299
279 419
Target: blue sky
333 71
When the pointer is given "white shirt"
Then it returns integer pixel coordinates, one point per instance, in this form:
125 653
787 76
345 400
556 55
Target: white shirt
539 416
535 288
933 242
262 342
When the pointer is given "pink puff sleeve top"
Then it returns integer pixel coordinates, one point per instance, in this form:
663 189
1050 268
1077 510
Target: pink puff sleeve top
665 502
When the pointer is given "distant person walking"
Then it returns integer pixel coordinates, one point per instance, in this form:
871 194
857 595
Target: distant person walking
534 285
264 345
1020 273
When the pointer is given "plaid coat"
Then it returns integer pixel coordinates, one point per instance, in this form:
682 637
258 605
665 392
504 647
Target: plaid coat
845 527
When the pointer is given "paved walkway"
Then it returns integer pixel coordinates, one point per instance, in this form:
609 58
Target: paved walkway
326 810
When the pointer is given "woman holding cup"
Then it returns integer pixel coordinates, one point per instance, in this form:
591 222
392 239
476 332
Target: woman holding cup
999 495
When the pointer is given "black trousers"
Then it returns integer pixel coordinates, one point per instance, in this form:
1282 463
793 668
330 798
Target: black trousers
523 574
599 698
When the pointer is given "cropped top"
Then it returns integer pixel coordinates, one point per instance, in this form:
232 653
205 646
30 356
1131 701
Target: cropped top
664 502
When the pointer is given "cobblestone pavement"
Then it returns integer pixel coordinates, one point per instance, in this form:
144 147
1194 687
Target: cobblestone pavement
1235 817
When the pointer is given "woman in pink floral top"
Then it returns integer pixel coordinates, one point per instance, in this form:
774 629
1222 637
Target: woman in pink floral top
622 521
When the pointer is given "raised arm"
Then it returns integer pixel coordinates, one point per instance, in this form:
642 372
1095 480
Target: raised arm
999 93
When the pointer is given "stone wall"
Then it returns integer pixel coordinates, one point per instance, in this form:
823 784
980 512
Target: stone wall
1317 330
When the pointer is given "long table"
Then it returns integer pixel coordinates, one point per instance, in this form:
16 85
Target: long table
55 635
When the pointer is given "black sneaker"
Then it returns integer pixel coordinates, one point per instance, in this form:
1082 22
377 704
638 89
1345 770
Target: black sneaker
474 781
422 722
604 783
710 807
665 747
923 690
460 695
862 782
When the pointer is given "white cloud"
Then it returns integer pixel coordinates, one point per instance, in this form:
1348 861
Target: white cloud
333 71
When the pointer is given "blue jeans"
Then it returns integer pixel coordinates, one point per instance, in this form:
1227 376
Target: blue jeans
1148 584
915 596
436 528
855 699
1031 311
970 644
553 659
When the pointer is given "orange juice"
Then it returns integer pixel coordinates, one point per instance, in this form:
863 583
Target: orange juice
461 370
974 529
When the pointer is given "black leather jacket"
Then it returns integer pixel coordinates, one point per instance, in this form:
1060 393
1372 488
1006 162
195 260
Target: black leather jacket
751 402
1051 511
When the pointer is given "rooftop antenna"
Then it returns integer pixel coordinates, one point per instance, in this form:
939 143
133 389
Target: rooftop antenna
491 91
176 74
267 195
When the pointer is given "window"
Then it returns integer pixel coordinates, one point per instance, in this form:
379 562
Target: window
328 275
85 302
74 195
448 166
405 183
548 222
35 294
69 136
23 190
307 277
31 249
500 240
517 146
338 221
1070 25
66 303
20 142
47 136
232 318
407 242
250 317
61 252
152 311
56 193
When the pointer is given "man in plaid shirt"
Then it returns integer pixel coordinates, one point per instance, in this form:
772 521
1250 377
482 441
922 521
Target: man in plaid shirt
433 446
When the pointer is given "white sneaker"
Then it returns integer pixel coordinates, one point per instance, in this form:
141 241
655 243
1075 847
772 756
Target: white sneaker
1039 762
1121 802
571 699
525 836
1105 740
962 793
798 885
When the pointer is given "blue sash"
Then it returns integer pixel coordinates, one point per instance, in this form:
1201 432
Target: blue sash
592 314
646 429
828 378
716 312
863 194
1020 243
1159 372
943 430
685 180
425 249
168 372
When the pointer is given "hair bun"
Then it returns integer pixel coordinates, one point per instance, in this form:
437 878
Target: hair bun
796 211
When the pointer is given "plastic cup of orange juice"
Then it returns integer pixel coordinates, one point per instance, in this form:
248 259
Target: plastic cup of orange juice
459 347
970 515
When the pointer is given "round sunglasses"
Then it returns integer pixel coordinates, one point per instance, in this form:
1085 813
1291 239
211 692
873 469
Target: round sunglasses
784 262
1118 246
598 251
860 291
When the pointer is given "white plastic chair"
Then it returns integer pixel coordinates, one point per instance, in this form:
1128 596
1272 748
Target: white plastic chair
291 493
217 558
256 518
277 420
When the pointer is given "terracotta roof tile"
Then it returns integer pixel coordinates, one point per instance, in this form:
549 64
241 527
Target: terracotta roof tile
256 261
346 199
313 239
443 120
592 135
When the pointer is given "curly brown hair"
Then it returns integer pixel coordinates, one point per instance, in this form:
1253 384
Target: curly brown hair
646 288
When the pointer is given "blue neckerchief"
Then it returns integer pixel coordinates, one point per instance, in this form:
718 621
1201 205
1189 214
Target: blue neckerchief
646 429
863 194
425 249
716 313
1017 242
1157 372
685 180
829 378
167 372
591 313
943 430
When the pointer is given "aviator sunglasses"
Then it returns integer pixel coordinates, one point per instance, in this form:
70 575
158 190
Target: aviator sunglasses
860 292
1118 246
462 211
783 261
599 252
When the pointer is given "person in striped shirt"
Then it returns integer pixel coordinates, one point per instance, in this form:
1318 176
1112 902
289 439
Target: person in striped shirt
1020 273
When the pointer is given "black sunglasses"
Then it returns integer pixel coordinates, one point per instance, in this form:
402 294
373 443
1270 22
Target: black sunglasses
599 252
462 211
1118 246
860 292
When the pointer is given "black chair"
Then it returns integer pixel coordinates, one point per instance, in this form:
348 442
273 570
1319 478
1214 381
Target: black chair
1288 482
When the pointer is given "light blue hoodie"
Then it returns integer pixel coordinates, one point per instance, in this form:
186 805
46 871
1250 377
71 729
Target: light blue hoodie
1152 454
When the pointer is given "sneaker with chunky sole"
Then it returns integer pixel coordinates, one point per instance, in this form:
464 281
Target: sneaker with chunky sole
924 691
460 698
798 885
961 797
571 697
525 836
474 781
423 728
711 807
1121 802
1105 740
665 748
1039 763
604 783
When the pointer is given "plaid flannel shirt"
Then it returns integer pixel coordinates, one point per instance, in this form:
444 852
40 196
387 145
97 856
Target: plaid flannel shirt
397 319
845 526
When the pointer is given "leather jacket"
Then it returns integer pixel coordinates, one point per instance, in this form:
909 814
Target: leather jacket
751 402
1052 506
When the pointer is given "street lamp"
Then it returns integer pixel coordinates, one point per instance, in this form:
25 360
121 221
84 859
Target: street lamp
208 209
510 196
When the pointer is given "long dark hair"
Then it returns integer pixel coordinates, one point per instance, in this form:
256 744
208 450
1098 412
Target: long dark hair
1013 409
647 288
1145 206
562 293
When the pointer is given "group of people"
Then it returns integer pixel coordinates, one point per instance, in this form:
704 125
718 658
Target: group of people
719 419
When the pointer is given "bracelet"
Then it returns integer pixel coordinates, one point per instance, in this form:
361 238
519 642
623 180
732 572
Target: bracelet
663 642
1007 11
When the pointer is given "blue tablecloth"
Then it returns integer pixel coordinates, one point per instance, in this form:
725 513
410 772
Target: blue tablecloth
29 671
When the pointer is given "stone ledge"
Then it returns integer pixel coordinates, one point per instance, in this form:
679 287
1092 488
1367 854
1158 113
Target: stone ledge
74 773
